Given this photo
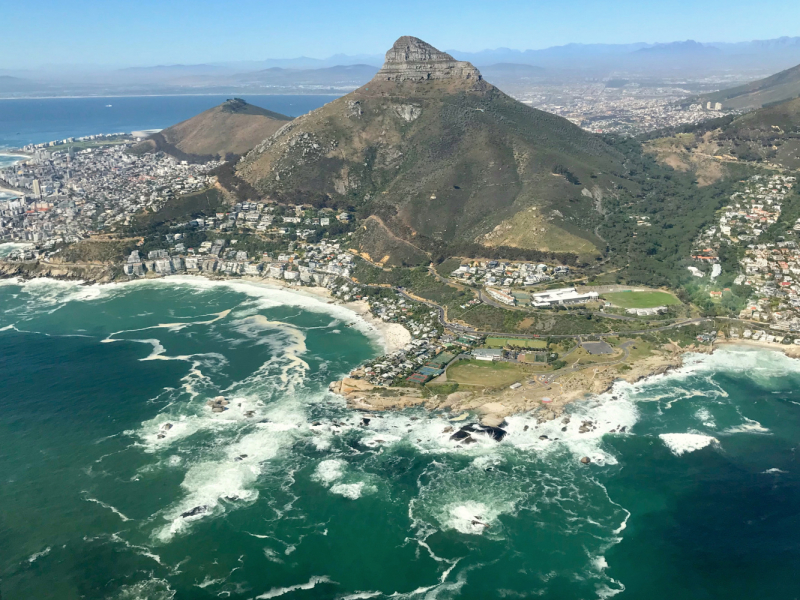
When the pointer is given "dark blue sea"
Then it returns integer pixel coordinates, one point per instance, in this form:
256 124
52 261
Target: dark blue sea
33 121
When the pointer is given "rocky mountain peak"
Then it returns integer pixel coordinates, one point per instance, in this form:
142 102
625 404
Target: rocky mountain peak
411 59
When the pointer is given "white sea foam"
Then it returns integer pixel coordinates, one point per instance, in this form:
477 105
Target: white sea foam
352 491
775 471
150 589
312 583
329 471
749 426
228 479
106 506
681 443
471 517
704 416
37 555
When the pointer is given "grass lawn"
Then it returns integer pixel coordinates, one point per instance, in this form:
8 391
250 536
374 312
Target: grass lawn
500 342
641 299
486 374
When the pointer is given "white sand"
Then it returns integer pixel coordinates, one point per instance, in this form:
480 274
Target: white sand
393 335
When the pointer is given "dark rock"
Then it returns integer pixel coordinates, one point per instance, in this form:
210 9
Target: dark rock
161 436
197 510
586 460
469 440
166 427
563 429
240 457
447 429
459 435
316 424
543 437
525 428
496 433
364 421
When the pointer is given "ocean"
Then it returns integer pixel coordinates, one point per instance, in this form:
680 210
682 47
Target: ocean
118 480
34 121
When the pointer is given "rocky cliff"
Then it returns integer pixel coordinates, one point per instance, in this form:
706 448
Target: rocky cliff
65 271
411 59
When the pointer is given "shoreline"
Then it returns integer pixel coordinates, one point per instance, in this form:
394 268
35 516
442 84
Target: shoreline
392 336
492 406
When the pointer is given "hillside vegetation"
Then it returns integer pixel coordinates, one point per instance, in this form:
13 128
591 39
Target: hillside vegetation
231 128
770 90
442 162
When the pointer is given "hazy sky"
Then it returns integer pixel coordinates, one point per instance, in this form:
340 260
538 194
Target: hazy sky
150 32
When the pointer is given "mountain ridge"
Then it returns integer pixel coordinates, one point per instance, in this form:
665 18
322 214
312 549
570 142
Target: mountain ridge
442 157
232 128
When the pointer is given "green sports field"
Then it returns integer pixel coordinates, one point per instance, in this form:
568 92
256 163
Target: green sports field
641 299
500 342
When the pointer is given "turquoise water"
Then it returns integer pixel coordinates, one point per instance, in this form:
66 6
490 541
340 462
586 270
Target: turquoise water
697 498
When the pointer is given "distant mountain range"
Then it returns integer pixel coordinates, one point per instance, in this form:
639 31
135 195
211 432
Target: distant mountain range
342 73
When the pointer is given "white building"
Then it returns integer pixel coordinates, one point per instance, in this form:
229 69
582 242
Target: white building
562 296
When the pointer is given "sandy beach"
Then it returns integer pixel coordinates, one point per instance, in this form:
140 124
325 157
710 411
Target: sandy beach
394 336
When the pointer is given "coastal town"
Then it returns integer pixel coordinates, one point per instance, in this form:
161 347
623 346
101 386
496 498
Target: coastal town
66 196
769 262
620 106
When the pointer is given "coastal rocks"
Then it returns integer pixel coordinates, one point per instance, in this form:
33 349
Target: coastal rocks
162 432
586 460
464 435
62 271
218 404
197 510
348 385
586 427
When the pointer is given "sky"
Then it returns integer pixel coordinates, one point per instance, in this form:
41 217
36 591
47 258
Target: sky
158 32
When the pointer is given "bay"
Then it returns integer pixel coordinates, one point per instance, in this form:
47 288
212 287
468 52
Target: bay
120 482
35 121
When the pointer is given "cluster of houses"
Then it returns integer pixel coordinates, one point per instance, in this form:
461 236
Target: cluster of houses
771 269
270 218
429 351
759 335
506 274
66 196
302 264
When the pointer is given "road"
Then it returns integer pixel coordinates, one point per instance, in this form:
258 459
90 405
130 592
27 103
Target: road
471 330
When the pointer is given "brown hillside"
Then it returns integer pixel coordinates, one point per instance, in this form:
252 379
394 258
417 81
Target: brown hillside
232 127
441 155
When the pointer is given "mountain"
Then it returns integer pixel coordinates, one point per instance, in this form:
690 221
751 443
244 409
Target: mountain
767 136
689 47
440 157
13 85
775 88
233 127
